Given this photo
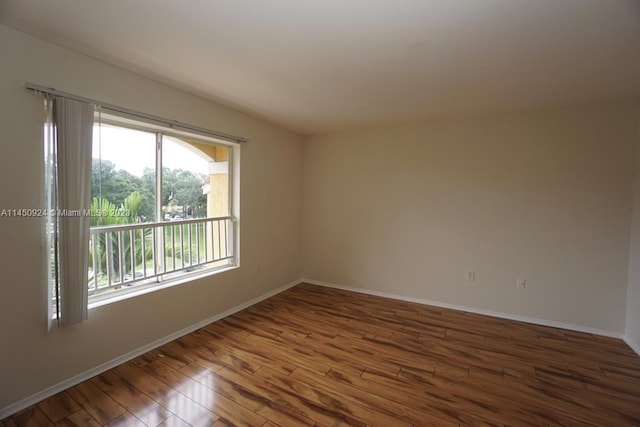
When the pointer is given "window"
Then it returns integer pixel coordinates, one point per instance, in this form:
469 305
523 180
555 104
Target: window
161 206
157 202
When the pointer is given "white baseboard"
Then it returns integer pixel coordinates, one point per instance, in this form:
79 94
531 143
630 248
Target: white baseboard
631 343
542 322
83 376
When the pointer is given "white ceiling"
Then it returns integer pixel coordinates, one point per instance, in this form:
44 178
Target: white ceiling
326 65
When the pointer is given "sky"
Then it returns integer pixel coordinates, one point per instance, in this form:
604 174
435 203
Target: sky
134 150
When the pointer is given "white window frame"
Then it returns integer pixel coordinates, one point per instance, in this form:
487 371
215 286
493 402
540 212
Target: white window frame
170 279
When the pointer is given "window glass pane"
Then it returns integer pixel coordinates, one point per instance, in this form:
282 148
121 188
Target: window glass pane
142 235
123 175
185 168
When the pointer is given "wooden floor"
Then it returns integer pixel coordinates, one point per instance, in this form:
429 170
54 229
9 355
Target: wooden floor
319 356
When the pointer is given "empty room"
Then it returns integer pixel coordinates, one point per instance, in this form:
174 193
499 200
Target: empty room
320 213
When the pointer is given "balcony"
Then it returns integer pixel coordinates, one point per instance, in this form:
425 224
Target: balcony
145 254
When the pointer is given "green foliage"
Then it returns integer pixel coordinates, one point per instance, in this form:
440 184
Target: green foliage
183 188
105 213
180 188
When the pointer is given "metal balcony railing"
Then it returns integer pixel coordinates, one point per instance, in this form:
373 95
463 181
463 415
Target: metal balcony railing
135 254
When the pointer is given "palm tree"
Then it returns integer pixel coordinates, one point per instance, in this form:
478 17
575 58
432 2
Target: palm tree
107 245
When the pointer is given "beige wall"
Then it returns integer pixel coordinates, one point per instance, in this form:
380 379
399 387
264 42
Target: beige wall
408 210
633 292
31 358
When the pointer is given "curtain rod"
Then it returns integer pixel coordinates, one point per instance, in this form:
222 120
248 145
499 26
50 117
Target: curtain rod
171 123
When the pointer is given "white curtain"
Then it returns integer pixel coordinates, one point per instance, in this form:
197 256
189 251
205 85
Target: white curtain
73 122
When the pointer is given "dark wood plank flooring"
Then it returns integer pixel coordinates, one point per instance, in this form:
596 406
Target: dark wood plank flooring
325 357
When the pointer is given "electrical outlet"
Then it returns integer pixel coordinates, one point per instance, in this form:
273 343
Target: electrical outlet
521 282
470 276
